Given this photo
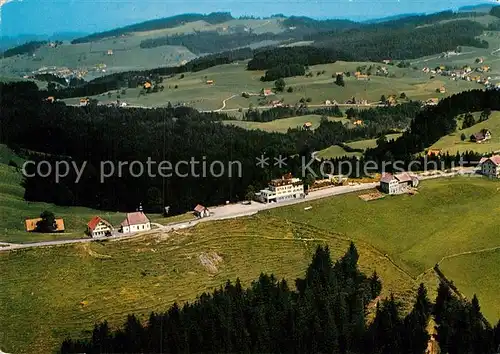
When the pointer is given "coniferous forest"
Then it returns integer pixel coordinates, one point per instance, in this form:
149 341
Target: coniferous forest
324 312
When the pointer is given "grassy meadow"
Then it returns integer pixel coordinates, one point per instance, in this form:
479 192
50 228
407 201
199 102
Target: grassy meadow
337 151
51 293
479 274
231 80
282 125
452 143
62 291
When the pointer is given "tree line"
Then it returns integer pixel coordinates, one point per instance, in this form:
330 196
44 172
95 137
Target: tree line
327 312
168 22
26 48
211 41
255 115
291 61
396 42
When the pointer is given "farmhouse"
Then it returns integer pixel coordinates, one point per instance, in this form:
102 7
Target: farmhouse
98 227
137 221
362 77
433 152
481 137
31 224
442 89
200 211
432 101
358 122
50 99
282 189
110 51
307 125
147 85
84 101
267 92
210 82
490 166
397 183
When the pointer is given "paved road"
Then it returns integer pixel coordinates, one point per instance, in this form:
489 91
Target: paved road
232 211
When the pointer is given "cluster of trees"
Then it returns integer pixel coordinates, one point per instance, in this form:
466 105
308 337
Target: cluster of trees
26 48
168 22
432 123
304 55
291 61
50 78
495 11
327 313
305 24
461 327
210 41
402 41
391 117
255 115
286 70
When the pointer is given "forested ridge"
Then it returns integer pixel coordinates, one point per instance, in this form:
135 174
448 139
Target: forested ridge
211 41
400 43
327 312
96 133
168 22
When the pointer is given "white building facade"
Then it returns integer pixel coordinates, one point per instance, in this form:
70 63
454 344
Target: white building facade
135 222
283 189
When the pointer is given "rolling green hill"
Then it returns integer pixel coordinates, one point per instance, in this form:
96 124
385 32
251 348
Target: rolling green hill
231 80
453 143
282 125
152 271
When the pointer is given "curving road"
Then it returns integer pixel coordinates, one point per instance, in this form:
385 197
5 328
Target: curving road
232 211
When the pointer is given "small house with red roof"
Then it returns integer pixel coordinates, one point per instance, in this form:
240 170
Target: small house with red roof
397 183
98 227
134 222
490 166
200 211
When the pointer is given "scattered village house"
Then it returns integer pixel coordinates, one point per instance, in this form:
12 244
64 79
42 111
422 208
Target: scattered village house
98 227
201 212
137 221
481 137
433 152
397 183
110 51
307 125
31 224
210 82
84 101
432 101
147 85
490 166
267 92
282 189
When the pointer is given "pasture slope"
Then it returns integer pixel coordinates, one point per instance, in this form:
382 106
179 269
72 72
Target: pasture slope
234 79
282 125
337 151
452 143
127 53
61 291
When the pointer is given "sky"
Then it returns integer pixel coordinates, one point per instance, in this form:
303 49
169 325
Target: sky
50 16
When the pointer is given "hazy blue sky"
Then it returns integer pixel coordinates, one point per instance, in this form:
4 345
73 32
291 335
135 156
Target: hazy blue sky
48 16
